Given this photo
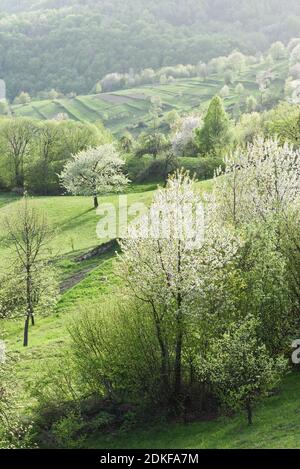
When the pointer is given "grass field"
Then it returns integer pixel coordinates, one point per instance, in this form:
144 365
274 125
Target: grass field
129 109
276 425
76 222
276 420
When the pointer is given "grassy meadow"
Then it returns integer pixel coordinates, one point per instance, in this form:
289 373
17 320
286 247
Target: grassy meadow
83 283
276 419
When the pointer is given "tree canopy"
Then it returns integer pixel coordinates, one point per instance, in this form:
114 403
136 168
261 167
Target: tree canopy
70 45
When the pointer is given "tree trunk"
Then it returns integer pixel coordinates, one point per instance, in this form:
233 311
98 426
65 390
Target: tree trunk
96 204
164 355
25 342
249 413
29 295
177 385
45 177
179 337
19 177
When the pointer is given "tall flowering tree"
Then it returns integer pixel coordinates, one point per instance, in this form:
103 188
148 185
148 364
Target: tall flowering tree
94 171
259 181
259 194
168 255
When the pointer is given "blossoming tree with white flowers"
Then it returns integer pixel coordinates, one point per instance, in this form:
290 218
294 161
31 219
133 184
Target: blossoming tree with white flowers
259 181
170 255
94 171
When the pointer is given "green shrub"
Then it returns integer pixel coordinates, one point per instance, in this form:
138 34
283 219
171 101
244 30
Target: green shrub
114 356
66 431
101 422
146 169
202 168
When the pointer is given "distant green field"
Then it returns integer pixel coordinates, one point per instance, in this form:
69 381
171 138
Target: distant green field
129 109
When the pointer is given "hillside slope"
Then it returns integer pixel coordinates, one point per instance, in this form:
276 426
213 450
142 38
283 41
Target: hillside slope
129 109
276 420
71 44
276 425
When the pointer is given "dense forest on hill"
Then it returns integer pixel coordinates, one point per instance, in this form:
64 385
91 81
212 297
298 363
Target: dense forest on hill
70 44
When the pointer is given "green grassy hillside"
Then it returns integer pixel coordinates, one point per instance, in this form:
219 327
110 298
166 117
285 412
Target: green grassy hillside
76 222
276 425
276 419
129 109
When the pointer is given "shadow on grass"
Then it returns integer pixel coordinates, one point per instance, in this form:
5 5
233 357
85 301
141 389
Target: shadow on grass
73 221
7 198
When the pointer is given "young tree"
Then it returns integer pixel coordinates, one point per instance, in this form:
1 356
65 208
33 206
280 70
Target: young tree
153 144
239 89
277 50
23 98
94 171
225 91
242 371
78 136
172 118
214 136
251 104
49 136
167 257
236 60
259 195
18 134
249 127
283 122
126 142
30 285
264 79
183 140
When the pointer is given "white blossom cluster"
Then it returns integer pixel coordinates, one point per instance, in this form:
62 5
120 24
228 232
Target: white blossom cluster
258 181
176 213
178 265
185 134
94 171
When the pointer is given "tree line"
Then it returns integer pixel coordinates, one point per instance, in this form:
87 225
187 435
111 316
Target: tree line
34 152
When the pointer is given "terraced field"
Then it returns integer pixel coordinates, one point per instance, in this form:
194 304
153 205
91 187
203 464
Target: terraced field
129 109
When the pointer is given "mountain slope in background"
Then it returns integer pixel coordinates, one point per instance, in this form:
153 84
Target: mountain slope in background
70 44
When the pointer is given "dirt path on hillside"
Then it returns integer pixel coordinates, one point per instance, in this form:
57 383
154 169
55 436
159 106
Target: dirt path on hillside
96 253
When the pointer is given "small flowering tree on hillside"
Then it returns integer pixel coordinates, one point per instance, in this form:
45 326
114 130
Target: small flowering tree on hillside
183 140
94 171
169 255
